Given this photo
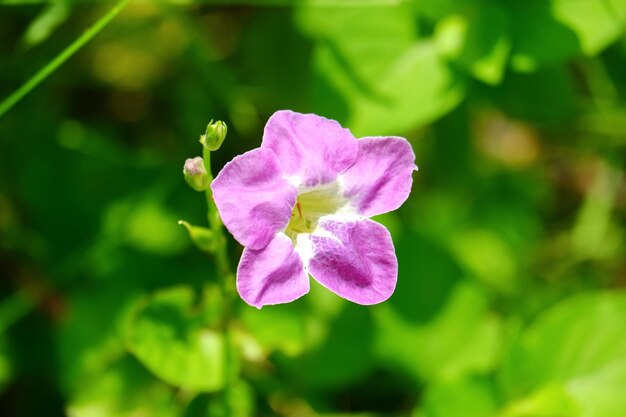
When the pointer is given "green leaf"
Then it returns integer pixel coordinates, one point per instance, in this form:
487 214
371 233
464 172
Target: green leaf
545 96
437 9
46 22
549 401
460 398
203 238
464 338
124 389
572 27
486 256
477 39
369 60
593 235
343 362
90 338
171 338
278 327
618 8
579 347
367 37
145 224
236 400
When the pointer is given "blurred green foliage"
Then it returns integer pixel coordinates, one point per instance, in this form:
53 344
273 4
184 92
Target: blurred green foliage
510 299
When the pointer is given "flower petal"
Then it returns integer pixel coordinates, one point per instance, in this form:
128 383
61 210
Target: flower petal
253 197
354 259
380 179
272 275
309 147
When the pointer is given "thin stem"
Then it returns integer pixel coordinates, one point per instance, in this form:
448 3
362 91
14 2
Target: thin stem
215 224
43 73
223 266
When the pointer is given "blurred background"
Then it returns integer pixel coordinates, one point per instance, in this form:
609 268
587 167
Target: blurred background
510 299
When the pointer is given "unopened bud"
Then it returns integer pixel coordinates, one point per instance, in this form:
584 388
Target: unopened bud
195 174
214 136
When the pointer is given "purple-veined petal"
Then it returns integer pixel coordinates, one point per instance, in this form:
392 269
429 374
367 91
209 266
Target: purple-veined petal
355 259
311 148
380 179
253 197
272 275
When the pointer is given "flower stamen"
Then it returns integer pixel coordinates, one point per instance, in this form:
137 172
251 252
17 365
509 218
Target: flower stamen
299 208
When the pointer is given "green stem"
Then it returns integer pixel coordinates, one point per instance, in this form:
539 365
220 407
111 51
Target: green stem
43 73
215 224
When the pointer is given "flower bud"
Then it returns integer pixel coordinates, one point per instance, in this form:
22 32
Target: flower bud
214 136
195 174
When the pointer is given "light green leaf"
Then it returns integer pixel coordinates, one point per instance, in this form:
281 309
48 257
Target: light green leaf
477 39
417 89
595 24
372 71
202 237
547 32
124 389
549 401
368 38
90 338
579 346
487 256
237 401
618 8
46 22
172 340
437 9
464 338
464 397
594 235
277 328
145 224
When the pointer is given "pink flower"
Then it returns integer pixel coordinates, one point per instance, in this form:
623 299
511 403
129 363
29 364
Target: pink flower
300 204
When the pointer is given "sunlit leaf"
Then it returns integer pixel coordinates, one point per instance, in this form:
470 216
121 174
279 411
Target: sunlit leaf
549 401
46 22
123 390
478 39
579 346
387 80
546 32
463 338
486 256
236 400
277 328
464 397
90 339
146 225
171 338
